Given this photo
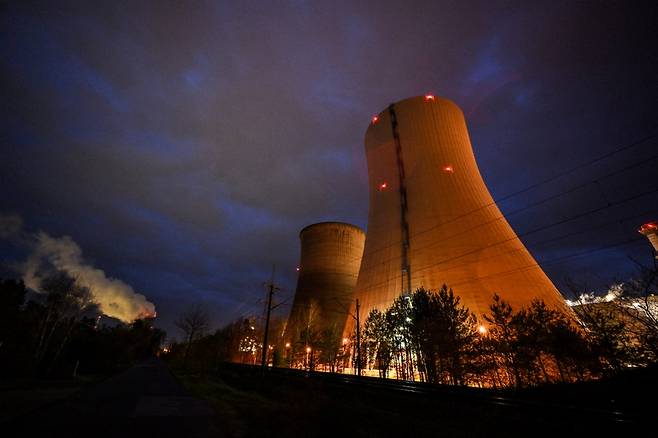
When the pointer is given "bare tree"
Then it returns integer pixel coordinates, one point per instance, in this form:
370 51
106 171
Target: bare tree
605 329
639 303
66 303
193 323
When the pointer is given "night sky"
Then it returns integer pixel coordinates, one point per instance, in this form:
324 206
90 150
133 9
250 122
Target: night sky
183 145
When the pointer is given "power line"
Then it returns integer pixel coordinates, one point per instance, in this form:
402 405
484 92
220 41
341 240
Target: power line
561 237
518 236
434 264
527 207
533 265
527 233
557 259
561 174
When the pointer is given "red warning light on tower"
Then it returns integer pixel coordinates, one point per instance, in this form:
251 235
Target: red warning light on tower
375 119
448 168
429 97
383 186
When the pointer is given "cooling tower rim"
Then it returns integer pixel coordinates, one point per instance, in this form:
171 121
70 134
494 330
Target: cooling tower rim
326 223
429 99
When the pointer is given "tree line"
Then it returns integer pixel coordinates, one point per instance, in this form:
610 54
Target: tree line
56 333
431 336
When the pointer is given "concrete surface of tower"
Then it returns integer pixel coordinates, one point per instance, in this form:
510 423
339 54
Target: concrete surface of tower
432 220
329 264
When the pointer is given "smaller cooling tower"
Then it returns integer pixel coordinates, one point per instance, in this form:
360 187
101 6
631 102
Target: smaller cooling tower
330 260
650 230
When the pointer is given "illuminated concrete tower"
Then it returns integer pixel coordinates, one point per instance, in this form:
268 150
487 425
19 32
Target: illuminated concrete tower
432 220
330 258
650 230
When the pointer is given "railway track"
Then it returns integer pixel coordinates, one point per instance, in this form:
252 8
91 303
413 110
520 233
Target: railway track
502 402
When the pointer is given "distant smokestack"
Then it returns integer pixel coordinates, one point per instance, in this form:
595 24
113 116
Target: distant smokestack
650 230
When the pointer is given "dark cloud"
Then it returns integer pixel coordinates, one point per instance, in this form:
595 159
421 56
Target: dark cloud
184 146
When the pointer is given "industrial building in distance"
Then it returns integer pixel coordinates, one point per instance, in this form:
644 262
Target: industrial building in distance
650 230
432 220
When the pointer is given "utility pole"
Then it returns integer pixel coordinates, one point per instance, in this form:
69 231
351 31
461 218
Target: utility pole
357 317
358 339
272 288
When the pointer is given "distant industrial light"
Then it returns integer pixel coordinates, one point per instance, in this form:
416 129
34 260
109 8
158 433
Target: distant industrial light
345 340
297 268
429 97
374 119
650 230
308 349
482 329
383 186
287 344
448 169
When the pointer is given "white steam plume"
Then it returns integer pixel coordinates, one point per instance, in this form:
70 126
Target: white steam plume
115 298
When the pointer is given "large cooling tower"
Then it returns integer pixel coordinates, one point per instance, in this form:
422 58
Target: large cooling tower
432 220
330 259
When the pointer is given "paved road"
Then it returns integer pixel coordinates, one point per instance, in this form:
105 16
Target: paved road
143 401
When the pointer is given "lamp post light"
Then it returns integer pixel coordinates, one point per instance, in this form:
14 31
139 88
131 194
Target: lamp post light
307 360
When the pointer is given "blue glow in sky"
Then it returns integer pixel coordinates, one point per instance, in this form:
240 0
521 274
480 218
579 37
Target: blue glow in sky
183 148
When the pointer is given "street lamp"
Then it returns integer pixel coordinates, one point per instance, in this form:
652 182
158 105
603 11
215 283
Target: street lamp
308 357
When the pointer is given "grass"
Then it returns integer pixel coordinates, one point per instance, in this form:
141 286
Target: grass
248 404
22 396
256 408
